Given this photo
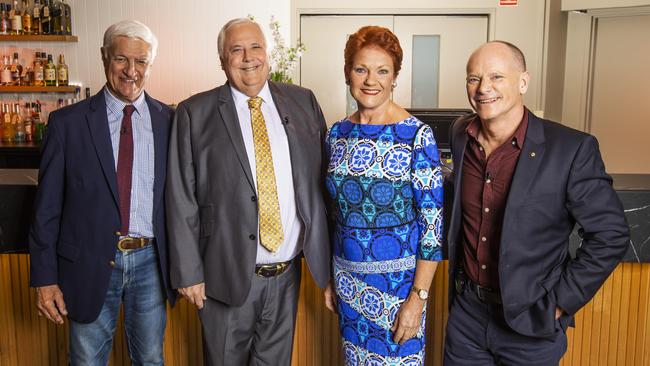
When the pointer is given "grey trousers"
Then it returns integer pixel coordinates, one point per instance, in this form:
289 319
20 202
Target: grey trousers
259 332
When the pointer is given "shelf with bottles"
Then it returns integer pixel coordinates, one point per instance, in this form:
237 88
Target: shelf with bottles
34 74
29 20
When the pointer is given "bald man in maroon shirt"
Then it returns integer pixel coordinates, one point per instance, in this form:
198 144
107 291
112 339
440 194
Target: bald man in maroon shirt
521 184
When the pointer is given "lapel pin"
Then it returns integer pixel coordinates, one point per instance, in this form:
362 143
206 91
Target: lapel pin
532 154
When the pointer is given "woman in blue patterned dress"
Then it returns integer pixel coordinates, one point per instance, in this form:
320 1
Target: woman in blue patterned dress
385 189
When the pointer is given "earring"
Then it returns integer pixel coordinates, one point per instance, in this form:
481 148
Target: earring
394 84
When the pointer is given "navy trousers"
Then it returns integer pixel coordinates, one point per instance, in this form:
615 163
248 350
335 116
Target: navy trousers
477 334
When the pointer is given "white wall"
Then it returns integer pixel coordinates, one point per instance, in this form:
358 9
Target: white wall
187 60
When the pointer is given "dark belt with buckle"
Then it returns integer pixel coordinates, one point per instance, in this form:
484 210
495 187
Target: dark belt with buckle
485 294
271 269
129 243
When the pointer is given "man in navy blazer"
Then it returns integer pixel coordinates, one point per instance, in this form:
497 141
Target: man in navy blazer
98 237
521 184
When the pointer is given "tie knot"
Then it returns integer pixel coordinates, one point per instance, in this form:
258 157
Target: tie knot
128 110
254 103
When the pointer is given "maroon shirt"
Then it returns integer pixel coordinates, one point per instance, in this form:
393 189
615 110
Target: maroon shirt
485 185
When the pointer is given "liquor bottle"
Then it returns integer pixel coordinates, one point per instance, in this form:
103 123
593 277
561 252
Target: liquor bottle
28 123
50 72
87 92
16 71
62 71
46 24
68 18
5 73
36 18
17 121
5 22
37 123
9 131
27 18
55 11
39 70
16 19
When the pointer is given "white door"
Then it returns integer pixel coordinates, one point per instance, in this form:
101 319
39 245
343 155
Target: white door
321 66
435 48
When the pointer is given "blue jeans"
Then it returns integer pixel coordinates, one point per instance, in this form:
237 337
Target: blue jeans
135 280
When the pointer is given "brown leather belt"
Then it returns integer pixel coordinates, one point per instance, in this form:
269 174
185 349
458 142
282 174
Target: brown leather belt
271 269
129 243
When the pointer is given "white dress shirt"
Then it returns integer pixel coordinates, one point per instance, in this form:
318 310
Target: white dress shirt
282 166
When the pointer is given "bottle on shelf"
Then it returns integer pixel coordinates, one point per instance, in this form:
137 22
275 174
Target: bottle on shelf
38 126
87 92
16 19
55 10
68 17
8 131
16 71
39 70
17 121
50 72
28 123
36 18
62 72
5 22
46 23
27 18
5 73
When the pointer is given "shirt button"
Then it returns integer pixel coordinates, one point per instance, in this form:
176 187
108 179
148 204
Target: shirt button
251 237
253 198
112 263
480 148
487 209
483 266
514 142
483 238
488 181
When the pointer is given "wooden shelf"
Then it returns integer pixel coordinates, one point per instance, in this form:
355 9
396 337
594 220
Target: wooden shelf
37 89
39 38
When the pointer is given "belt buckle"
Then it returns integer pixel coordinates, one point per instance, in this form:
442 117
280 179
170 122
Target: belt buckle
126 239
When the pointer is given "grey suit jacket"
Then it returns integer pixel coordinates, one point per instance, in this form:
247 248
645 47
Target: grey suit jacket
211 196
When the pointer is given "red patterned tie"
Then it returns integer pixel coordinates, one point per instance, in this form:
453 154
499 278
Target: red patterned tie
125 168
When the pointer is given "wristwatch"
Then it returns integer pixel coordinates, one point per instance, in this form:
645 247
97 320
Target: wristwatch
422 294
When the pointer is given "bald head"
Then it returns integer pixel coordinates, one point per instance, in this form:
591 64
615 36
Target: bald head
515 53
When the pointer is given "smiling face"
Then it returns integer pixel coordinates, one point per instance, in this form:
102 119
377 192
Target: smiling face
496 83
371 78
127 64
245 61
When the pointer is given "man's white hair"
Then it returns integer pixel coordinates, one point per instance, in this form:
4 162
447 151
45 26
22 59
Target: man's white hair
132 29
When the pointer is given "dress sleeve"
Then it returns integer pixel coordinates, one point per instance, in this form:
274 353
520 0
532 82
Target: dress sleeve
426 180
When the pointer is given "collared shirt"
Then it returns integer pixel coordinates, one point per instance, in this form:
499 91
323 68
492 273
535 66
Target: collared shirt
282 167
141 213
485 185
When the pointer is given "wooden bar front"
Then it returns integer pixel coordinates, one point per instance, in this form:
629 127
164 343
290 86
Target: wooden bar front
613 329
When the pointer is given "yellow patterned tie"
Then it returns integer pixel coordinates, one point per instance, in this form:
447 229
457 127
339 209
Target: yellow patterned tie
271 234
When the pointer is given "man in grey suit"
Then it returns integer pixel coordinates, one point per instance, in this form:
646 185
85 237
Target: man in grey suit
244 204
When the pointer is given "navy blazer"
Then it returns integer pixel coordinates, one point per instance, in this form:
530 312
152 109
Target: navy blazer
73 235
559 181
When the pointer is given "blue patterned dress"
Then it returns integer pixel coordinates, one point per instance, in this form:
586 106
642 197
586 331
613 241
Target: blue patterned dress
385 187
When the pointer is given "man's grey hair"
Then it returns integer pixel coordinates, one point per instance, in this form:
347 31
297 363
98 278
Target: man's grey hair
131 29
221 39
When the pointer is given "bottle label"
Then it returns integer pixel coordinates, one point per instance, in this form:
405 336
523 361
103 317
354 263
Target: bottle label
27 21
38 75
37 12
5 76
63 75
16 23
46 12
50 74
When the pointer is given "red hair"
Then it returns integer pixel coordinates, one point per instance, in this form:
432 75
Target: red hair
372 36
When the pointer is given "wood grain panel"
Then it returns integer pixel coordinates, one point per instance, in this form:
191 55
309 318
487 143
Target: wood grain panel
613 329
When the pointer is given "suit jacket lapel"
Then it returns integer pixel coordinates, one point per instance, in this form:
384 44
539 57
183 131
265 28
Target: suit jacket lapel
529 162
231 121
97 121
160 126
459 144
